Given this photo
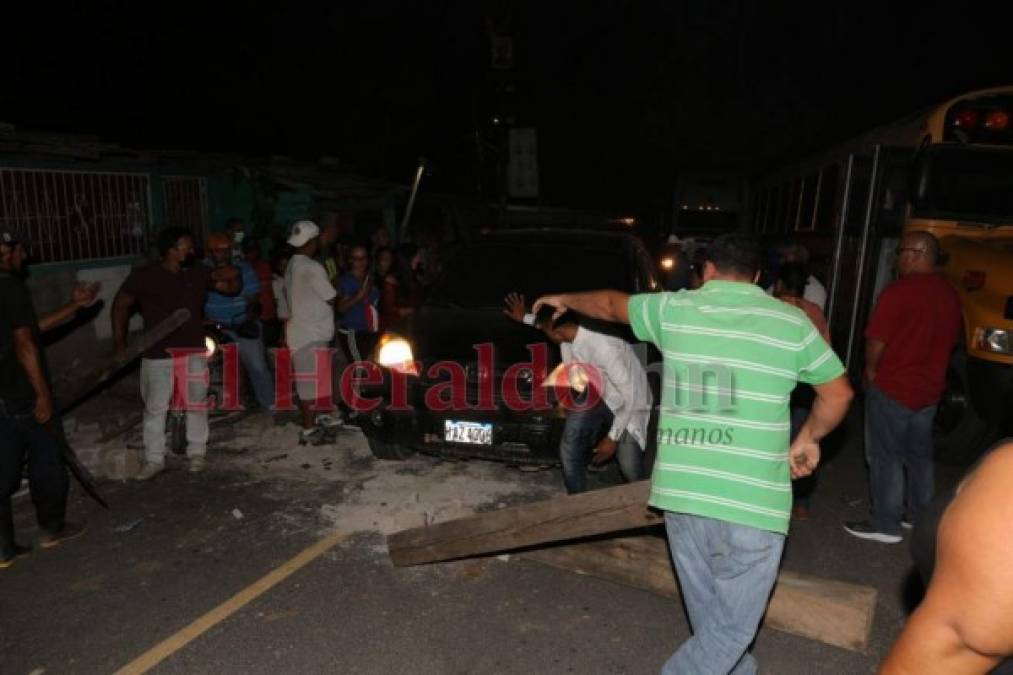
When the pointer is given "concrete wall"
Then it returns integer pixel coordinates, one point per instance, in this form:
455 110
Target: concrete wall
77 345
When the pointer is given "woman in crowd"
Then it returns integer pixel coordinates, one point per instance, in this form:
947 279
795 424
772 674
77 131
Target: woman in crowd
396 280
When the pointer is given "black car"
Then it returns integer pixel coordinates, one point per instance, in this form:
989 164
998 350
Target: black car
466 348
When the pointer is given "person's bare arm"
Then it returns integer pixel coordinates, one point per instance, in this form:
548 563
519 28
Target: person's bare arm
829 409
29 355
82 296
873 352
604 305
120 317
345 303
56 317
227 280
965 623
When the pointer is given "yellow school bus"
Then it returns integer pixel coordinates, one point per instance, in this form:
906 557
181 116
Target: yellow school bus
946 170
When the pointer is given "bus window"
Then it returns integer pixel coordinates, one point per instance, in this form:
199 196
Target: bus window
966 183
759 199
770 213
826 206
892 199
807 204
794 197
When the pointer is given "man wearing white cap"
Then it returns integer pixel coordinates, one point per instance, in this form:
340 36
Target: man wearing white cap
310 327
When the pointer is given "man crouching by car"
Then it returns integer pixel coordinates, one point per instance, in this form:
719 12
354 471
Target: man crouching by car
625 408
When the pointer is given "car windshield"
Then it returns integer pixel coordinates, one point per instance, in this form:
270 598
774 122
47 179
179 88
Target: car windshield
963 183
482 274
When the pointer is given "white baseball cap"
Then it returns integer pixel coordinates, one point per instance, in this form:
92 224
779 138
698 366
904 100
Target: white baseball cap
302 232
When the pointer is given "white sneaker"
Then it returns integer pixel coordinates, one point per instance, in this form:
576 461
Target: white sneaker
329 420
197 464
149 471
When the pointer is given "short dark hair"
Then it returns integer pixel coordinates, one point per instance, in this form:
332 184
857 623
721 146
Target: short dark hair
794 276
544 318
735 253
170 236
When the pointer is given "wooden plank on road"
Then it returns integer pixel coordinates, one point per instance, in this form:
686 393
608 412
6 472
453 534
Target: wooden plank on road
571 517
833 612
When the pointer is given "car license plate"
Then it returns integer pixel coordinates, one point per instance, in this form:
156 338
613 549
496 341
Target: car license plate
473 433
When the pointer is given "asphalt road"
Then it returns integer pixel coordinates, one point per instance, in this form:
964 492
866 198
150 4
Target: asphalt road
173 549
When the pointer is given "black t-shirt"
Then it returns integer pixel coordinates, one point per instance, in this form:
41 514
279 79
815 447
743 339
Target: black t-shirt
16 311
160 292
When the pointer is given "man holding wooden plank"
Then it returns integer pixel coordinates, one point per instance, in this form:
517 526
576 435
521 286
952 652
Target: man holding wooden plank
732 356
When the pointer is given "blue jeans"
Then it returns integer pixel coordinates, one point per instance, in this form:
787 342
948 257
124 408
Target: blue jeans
726 572
581 432
897 438
254 360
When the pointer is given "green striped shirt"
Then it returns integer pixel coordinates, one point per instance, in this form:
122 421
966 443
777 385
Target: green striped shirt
732 355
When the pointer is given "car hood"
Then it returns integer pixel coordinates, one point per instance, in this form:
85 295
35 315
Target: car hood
440 333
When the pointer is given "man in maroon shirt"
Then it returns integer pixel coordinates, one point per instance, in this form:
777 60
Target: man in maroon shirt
913 329
159 289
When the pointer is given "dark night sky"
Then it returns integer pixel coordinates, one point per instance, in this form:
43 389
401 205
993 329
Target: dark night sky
622 93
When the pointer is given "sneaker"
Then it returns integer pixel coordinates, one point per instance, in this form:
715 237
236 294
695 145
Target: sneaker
906 524
197 464
865 530
314 436
69 531
8 557
329 421
149 471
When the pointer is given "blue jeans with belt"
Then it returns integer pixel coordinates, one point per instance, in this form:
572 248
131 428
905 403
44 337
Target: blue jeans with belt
897 439
726 573
583 429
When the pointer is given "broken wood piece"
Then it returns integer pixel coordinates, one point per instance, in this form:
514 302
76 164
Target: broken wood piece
103 372
832 612
571 517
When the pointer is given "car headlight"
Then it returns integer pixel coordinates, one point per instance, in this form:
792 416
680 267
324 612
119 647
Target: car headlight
995 340
210 346
396 353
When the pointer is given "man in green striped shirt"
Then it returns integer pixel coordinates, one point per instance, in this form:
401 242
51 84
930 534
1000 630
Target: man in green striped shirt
732 355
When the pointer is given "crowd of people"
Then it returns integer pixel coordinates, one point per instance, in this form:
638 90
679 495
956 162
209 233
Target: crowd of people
314 290
727 502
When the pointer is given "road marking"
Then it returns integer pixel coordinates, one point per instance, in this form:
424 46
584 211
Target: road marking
185 636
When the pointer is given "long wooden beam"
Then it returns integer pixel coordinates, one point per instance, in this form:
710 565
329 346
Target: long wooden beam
572 517
833 612
108 367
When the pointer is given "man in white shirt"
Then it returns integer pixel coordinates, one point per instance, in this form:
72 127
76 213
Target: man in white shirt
814 291
625 409
309 330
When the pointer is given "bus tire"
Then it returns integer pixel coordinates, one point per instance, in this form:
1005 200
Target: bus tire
960 435
390 451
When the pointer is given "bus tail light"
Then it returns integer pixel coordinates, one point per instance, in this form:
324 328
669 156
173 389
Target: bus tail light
966 119
973 280
997 120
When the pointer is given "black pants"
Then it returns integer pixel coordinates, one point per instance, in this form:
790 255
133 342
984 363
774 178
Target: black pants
20 437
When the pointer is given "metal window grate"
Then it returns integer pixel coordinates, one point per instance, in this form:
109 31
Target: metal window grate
186 204
76 215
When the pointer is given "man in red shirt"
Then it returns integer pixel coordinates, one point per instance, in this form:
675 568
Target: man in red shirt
913 329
